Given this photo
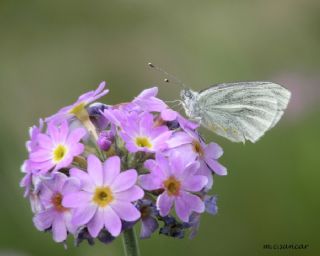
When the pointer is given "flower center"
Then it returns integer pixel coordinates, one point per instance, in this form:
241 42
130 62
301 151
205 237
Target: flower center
77 109
103 196
197 148
59 153
172 185
56 201
143 142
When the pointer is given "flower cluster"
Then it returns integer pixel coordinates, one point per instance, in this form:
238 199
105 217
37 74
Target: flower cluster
95 170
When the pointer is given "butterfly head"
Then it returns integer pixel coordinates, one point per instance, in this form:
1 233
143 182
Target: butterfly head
187 95
189 102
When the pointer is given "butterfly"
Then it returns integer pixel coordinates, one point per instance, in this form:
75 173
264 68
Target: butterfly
237 111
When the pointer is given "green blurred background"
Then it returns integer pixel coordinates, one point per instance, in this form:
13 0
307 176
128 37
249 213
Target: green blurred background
52 51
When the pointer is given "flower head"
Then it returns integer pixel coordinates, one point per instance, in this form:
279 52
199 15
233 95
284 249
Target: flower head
178 182
105 196
56 149
84 162
77 107
54 215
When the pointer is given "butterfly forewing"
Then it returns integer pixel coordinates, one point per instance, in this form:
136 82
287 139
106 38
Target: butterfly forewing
242 111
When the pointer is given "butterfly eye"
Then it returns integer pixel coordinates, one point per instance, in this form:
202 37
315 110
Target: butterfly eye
187 94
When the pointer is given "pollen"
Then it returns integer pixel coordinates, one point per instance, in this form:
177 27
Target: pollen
143 142
196 146
103 196
56 200
59 153
172 186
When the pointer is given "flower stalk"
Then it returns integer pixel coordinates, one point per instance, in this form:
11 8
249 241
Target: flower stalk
130 243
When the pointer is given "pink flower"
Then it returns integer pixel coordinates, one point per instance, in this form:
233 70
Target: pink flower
192 147
105 196
57 148
178 182
54 215
140 134
76 108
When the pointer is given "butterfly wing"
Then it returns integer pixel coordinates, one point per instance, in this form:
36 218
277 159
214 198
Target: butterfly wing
242 111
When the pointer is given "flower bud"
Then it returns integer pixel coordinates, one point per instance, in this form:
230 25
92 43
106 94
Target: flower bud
105 140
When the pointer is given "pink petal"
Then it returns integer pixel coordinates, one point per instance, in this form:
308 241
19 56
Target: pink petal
191 169
112 221
67 216
86 181
70 186
194 202
41 155
213 150
178 139
150 182
59 229
96 223
216 166
150 164
182 209
64 130
147 93
53 132
126 211
56 182
95 170
124 181
204 170
44 141
164 203
194 183
168 114
177 164
76 135
100 87
83 215
111 169
43 220
76 199
77 149
130 195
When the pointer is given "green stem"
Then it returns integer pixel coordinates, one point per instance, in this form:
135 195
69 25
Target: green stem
130 243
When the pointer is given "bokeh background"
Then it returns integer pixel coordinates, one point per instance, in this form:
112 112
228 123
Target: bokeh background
52 51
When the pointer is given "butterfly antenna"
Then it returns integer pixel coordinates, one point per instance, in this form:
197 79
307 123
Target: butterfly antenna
166 80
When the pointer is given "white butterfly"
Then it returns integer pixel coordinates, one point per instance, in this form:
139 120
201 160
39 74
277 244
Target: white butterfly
237 111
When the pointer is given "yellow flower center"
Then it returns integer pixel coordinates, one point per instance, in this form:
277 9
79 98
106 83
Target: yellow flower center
172 185
59 153
77 109
143 142
56 200
102 196
197 148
